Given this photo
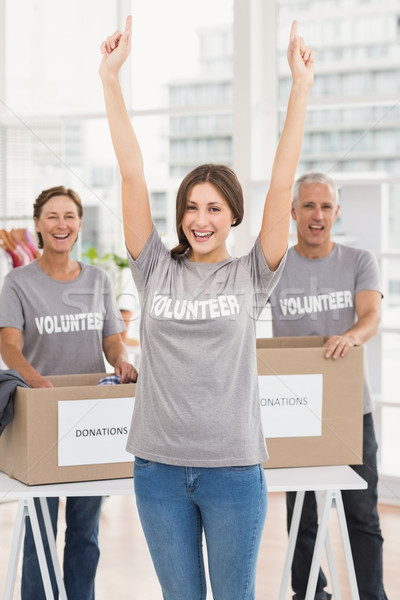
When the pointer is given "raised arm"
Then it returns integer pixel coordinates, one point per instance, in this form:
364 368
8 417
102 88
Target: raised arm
276 218
135 197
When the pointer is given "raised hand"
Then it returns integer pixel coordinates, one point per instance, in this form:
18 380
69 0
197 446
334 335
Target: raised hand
300 58
116 50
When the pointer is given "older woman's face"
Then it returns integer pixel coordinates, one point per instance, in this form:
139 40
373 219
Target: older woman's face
59 224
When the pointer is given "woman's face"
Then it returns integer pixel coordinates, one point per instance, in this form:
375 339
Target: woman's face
206 223
59 224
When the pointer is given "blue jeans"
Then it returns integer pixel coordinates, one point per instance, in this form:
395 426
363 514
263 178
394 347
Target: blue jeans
362 519
176 504
81 552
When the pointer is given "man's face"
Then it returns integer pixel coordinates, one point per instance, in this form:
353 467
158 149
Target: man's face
315 213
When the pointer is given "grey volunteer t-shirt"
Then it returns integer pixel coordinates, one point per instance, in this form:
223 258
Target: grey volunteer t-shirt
197 398
317 296
63 322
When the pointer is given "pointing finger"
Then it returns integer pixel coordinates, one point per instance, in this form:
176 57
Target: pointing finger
293 32
128 26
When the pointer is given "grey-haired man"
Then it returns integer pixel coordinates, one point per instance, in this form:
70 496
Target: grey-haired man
317 266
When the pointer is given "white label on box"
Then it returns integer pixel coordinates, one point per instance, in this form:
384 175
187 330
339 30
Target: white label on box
93 432
291 405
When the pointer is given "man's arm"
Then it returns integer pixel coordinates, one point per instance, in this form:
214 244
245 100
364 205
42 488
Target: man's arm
368 317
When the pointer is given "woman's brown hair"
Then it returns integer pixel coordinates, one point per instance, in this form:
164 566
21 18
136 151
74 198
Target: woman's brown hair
224 180
45 196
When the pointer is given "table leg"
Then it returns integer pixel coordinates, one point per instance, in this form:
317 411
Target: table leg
346 546
27 508
332 498
326 505
53 549
37 536
329 554
22 512
294 529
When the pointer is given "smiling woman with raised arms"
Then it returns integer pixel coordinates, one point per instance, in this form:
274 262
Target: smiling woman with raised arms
196 429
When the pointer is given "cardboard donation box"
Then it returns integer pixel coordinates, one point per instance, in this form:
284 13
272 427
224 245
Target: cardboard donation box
76 431
311 407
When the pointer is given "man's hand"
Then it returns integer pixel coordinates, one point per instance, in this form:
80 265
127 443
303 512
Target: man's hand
338 346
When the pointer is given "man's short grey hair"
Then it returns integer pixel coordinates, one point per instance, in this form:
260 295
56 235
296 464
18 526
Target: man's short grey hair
315 177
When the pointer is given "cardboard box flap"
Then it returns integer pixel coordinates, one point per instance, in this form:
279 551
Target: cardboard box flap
313 341
80 389
72 380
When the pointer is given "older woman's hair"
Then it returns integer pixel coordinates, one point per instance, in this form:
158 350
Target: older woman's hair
310 178
45 196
